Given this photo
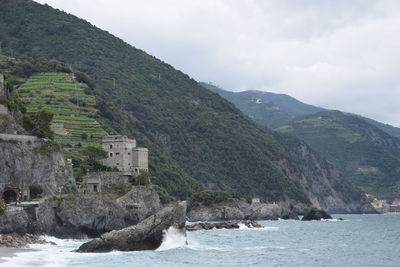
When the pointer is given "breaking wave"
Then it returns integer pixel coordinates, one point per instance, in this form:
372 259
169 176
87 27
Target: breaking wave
173 238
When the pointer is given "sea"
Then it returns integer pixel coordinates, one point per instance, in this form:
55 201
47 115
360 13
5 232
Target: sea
357 240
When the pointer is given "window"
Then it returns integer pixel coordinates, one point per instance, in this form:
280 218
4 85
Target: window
110 146
129 153
117 153
126 148
117 163
111 154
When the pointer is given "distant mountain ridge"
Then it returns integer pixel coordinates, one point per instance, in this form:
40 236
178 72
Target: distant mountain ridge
275 110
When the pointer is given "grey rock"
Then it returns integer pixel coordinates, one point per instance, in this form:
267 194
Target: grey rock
21 241
27 160
222 225
241 210
316 214
146 235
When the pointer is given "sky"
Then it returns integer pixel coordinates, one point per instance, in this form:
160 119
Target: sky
337 54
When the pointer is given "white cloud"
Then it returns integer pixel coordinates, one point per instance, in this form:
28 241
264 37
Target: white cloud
342 54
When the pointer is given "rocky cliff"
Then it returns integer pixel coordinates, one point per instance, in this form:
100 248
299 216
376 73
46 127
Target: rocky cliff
322 183
241 210
146 235
82 215
27 160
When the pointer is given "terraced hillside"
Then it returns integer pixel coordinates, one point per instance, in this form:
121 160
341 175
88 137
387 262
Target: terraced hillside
74 109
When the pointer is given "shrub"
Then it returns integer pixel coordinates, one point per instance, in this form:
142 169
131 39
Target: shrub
2 207
35 190
208 197
143 178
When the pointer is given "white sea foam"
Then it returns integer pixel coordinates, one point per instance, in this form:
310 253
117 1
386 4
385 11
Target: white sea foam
242 226
46 254
173 238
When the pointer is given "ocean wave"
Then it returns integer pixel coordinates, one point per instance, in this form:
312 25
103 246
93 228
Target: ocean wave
173 238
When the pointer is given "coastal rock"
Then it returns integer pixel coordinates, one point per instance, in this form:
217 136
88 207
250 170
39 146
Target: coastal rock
241 210
21 241
316 215
27 160
146 235
222 225
92 214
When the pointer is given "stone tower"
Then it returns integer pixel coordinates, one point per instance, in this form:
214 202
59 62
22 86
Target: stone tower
123 154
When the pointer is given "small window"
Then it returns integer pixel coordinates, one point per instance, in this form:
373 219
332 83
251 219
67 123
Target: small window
117 163
129 164
129 153
126 148
110 146
111 154
117 153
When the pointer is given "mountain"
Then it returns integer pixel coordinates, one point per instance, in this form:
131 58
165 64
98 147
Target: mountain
366 155
275 110
194 136
268 109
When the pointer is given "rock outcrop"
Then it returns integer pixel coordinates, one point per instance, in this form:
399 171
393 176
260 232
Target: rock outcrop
241 210
27 160
21 241
316 215
90 215
222 225
146 235
82 215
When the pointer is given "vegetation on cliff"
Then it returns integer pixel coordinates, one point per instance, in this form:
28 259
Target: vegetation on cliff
366 156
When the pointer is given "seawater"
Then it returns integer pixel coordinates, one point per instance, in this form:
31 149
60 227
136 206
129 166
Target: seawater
359 240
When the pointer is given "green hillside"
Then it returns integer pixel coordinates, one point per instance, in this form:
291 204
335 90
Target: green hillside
365 155
73 106
274 110
185 125
268 109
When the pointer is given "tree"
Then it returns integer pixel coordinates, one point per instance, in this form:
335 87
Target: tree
93 155
40 124
144 178
35 190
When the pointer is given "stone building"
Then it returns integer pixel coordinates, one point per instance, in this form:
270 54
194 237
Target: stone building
123 154
93 185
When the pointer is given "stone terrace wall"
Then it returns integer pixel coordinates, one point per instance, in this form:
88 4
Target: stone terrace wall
107 178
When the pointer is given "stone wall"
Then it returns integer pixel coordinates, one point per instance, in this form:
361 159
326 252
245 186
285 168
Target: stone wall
107 178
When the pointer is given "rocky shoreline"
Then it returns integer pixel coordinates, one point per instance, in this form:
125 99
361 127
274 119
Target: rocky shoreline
21 241
237 209
222 225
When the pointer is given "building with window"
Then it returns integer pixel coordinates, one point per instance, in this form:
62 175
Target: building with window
123 154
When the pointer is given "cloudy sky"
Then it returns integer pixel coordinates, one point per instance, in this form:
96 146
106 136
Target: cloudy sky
338 54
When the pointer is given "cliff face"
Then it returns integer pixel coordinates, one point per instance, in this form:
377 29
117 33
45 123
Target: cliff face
240 210
82 215
27 160
321 182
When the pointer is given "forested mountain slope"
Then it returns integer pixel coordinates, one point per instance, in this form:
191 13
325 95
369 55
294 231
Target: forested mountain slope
275 110
366 156
205 135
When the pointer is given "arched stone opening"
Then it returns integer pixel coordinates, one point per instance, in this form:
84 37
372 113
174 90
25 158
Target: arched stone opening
10 196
